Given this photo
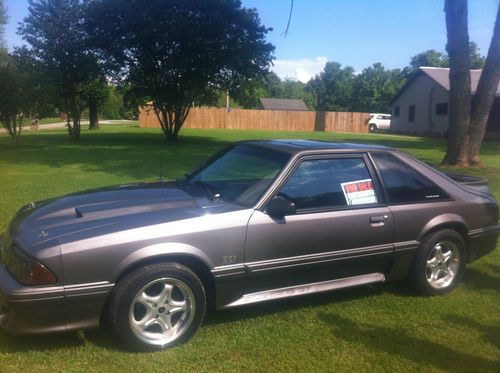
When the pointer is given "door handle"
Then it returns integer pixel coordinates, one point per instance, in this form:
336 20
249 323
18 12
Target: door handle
377 221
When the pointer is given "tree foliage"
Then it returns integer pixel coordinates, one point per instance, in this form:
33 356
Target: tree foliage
476 60
3 22
16 97
375 87
95 92
269 85
431 58
56 33
176 51
339 88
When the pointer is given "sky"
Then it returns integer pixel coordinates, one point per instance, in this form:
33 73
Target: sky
356 33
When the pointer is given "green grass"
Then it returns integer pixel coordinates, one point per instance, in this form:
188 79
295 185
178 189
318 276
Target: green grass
50 120
374 328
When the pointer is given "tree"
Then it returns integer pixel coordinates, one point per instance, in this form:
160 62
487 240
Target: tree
248 93
3 22
54 29
270 85
431 58
176 51
333 87
476 60
41 91
95 92
15 95
468 116
297 90
375 87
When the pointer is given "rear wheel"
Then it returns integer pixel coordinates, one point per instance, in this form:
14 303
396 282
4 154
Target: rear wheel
372 127
440 262
158 306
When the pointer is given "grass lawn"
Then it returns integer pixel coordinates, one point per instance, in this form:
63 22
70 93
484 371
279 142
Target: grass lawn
372 328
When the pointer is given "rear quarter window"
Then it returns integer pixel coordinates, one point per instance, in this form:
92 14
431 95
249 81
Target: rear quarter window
403 183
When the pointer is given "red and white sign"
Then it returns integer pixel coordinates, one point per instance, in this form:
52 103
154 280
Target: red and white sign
359 192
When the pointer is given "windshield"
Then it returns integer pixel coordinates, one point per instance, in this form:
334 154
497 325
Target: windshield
240 174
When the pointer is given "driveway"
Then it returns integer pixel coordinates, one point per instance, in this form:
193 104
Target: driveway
63 124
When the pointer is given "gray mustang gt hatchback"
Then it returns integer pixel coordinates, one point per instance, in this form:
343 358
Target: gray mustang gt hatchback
261 220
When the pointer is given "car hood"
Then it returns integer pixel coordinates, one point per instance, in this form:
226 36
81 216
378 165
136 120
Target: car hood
111 209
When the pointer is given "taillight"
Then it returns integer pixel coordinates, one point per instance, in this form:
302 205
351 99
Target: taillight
28 271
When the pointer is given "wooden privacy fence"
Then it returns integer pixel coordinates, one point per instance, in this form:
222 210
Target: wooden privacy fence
271 120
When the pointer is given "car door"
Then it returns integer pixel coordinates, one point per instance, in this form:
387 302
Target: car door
384 122
340 228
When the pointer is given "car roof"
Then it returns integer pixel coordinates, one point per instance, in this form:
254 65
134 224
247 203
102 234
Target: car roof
297 146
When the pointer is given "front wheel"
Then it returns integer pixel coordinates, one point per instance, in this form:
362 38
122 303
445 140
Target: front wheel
157 306
440 262
372 127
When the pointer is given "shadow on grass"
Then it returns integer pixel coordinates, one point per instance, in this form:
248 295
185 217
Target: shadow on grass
490 333
14 343
136 155
399 343
72 340
139 154
479 280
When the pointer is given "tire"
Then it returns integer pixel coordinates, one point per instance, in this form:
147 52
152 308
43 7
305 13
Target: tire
439 263
372 127
157 307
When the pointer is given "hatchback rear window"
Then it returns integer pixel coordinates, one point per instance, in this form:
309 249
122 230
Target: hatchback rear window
403 183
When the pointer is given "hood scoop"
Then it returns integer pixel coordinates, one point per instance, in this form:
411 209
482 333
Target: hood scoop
122 208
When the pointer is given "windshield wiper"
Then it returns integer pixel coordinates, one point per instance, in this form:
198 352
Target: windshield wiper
212 194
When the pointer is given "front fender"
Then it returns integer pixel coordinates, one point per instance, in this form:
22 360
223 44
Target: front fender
160 250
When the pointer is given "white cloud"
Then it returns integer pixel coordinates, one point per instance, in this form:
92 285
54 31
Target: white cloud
302 70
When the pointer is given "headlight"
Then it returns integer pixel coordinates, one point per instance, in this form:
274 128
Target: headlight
26 270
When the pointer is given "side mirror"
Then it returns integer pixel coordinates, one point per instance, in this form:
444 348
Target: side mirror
279 207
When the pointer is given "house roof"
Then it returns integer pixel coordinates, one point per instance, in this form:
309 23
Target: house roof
283 104
441 75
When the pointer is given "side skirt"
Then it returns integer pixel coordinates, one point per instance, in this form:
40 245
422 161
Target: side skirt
315 287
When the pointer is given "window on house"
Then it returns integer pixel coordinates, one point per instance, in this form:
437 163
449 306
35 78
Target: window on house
396 111
411 113
442 108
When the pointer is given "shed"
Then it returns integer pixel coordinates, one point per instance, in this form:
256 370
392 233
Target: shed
282 104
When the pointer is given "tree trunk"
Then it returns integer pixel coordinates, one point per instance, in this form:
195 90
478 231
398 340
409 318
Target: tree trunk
485 95
75 130
93 115
171 118
460 96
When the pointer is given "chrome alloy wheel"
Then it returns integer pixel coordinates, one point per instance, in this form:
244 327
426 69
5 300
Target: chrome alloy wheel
443 263
162 311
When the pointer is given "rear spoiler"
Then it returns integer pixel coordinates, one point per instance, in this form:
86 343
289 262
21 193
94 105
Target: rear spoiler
468 180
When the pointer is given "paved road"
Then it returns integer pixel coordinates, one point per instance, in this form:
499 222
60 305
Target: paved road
63 124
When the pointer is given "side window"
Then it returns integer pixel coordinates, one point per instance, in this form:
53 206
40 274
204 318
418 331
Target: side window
411 113
324 183
442 108
403 183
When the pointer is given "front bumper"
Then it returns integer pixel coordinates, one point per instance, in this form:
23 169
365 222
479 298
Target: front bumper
482 241
28 310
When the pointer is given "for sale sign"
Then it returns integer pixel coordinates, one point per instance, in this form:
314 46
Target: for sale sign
359 192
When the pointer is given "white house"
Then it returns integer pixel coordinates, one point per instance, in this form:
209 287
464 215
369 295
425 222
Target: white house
421 106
